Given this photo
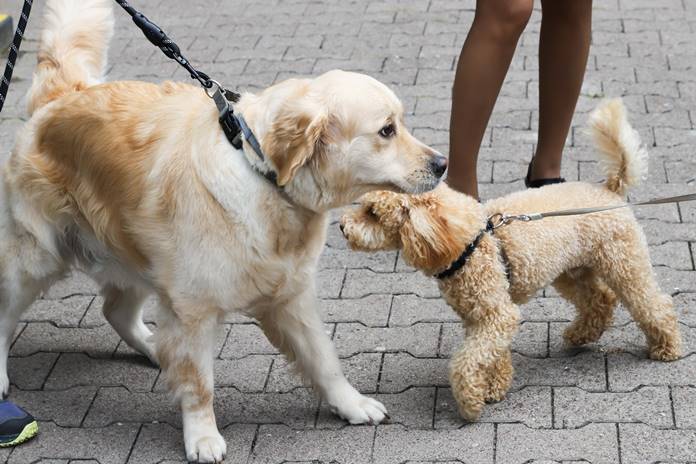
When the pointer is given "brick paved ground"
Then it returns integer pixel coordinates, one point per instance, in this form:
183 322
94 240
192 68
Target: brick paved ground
604 404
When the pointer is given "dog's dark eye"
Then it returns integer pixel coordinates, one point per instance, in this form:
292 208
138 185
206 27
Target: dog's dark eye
387 131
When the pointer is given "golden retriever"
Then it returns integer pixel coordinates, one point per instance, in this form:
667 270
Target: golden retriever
593 260
136 184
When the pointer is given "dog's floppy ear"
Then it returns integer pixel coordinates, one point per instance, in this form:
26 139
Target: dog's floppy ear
426 238
295 136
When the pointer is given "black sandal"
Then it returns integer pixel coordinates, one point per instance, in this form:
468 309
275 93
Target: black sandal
536 183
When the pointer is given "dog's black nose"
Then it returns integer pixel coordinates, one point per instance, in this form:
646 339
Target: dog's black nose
438 165
341 226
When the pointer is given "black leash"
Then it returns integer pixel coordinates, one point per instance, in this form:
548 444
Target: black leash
234 127
220 95
159 39
14 51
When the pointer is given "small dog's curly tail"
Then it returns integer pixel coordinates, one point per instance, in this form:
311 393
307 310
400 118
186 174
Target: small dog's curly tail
623 159
72 52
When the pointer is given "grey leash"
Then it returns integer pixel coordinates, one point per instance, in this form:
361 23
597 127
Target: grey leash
502 219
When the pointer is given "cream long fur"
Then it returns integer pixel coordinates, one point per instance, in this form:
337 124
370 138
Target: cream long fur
593 261
136 185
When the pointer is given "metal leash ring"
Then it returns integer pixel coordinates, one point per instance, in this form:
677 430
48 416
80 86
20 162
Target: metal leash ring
215 86
499 220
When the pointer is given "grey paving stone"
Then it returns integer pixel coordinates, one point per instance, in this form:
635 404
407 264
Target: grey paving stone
411 309
574 407
361 370
76 369
161 442
65 408
278 443
30 373
361 282
396 444
419 340
334 258
109 445
329 282
627 372
684 401
530 406
596 443
401 371
585 370
644 444
63 313
247 374
45 337
246 339
372 311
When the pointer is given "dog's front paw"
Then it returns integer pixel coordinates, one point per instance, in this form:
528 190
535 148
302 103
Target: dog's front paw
666 352
350 405
205 449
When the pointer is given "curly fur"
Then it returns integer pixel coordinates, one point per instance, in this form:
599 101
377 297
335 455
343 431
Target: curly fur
593 261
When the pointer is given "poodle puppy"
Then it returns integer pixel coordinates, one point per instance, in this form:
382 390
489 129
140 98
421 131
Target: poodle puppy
593 260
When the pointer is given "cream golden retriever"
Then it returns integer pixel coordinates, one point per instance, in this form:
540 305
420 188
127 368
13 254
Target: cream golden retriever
137 185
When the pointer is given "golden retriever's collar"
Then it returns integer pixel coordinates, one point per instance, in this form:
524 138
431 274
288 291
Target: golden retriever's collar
246 132
468 251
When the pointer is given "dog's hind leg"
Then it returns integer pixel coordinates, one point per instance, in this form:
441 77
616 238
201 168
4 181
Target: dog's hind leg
594 301
123 309
25 270
626 268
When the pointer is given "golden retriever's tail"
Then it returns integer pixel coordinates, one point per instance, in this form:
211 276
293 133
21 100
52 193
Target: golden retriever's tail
622 157
72 52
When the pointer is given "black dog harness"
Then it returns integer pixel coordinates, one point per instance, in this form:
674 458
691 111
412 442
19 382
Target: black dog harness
492 223
466 254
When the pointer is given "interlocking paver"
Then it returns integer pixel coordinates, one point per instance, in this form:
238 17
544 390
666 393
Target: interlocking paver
596 443
109 445
162 443
574 407
279 443
627 372
67 408
76 369
393 331
644 444
419 339
396 444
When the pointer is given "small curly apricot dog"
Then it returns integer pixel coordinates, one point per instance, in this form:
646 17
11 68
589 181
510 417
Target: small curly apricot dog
592 260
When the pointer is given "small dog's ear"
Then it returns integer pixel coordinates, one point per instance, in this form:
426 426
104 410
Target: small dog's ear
295 136
426 239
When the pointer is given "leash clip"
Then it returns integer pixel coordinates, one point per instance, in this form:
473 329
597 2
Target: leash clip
499 220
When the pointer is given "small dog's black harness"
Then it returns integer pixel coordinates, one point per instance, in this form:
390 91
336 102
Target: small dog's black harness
460 262
466 254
